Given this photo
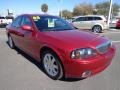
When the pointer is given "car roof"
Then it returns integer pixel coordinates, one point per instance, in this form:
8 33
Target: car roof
92 16
35 15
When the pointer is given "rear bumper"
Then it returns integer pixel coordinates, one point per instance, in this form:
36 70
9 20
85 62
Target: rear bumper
76 68
3 24
118 25
105 27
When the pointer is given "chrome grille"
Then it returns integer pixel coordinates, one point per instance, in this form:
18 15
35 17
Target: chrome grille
104 47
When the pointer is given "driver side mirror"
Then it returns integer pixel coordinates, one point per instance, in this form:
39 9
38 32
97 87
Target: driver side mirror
27 28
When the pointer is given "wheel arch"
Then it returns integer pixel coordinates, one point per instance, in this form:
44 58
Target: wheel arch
97 25
56 52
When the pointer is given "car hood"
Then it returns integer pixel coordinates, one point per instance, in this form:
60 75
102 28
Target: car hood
74 39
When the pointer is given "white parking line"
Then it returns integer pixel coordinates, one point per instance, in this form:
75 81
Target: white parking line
110 32
116 41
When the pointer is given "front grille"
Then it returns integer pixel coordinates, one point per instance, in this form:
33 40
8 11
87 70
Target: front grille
103 48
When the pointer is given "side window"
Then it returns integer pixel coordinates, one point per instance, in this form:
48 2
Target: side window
89 18
80 19
97 18
17 22
26 21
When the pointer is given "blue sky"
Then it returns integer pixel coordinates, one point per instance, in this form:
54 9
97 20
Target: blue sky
34 6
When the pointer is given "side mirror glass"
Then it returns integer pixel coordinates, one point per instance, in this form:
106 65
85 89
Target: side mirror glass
27 27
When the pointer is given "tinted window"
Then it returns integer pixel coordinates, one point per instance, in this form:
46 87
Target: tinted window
2 17
9 18
49 23
97 18
26 21
17 22
80 19
89 18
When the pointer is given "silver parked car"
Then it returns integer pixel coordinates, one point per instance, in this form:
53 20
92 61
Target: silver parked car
96 23
113 22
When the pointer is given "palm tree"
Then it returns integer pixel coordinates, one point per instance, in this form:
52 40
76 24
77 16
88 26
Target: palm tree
44 8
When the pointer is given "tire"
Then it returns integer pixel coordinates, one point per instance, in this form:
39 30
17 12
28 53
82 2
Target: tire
52 65
97 29
10 42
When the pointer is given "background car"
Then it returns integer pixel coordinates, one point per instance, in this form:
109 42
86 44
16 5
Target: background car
114 23
95 23
62 50
5 21
9 19
118 24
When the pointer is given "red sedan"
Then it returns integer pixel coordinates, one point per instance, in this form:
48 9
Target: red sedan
118 24
62 49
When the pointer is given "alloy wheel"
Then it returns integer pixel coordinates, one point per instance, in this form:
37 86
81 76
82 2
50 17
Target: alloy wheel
52 66
10 42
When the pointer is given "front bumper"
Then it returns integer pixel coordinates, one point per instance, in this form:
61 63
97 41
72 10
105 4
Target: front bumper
3 24
77 68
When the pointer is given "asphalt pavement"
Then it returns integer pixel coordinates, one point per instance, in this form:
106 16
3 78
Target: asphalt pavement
19 72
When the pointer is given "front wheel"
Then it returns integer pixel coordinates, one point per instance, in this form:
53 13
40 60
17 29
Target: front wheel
10 42
52 65
97 29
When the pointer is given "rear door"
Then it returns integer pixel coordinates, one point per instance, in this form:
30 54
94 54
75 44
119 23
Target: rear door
89 22
79 22
14 31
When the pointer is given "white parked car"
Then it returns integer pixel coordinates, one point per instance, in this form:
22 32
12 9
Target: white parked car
2 21
95 23
9 20
5 21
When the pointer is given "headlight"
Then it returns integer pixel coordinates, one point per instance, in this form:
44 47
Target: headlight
83 53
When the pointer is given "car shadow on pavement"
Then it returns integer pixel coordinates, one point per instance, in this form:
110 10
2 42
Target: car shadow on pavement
71 79
38 64
32 60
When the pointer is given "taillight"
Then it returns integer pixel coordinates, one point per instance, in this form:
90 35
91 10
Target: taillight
105 21
118 21
1 21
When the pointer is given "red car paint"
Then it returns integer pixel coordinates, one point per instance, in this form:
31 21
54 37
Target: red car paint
63 43
118 24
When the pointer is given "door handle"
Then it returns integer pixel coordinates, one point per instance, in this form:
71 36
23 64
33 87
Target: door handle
20 34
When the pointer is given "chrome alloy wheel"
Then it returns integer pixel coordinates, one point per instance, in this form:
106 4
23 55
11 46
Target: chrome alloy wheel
97 29
10 42
50 64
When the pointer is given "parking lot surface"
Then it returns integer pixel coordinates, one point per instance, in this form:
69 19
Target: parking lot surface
20 72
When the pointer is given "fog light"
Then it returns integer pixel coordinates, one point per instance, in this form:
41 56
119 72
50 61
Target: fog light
86 74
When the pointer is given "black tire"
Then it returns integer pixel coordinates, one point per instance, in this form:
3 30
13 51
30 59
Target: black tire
58 71
97 29
10 42
117 27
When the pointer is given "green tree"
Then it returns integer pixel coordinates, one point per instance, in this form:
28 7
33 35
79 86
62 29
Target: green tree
83 9
103 8
44 8
115 9
66 14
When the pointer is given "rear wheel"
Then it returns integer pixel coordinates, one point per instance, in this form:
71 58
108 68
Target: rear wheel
97 29
52 65
10 42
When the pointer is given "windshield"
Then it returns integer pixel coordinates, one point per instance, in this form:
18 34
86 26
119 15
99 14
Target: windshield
51 23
